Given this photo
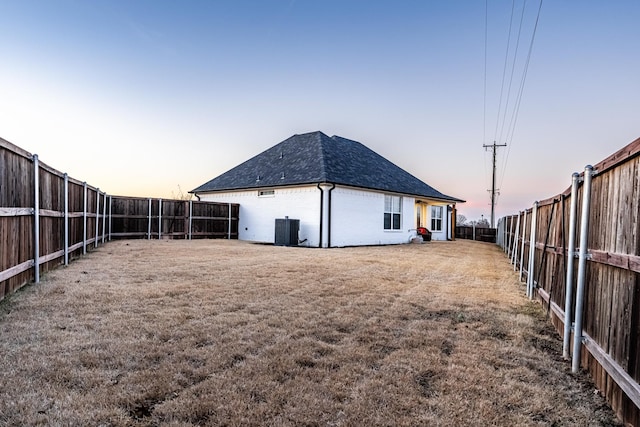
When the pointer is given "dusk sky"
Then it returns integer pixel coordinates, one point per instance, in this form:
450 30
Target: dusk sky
143 97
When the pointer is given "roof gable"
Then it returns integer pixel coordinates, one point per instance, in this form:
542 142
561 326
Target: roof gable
315 158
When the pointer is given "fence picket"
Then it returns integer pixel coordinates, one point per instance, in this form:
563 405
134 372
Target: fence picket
607 324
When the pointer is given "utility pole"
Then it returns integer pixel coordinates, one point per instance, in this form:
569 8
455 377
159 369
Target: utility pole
494 146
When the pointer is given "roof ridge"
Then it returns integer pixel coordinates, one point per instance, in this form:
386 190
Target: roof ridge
314 157
323 154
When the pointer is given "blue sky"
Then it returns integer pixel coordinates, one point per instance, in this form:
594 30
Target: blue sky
143 97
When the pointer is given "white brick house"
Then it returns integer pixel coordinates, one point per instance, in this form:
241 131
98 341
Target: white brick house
343 194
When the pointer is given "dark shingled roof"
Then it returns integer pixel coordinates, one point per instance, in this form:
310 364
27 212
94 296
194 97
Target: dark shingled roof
313 158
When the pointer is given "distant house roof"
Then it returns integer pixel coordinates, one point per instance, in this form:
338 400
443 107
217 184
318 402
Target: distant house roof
313 158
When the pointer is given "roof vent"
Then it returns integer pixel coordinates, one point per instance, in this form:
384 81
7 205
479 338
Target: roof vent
258 178
282 176
281 155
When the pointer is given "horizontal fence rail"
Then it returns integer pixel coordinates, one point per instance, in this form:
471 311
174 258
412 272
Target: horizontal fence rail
579 253
470 232
48 218
146 218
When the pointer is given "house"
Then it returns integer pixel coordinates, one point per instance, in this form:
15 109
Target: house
342 193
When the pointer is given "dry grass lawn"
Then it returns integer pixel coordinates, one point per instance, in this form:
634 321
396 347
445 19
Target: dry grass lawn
178 333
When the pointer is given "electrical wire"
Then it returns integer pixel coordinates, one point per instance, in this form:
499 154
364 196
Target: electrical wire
506 108
514 117
484 106
513 68
504 71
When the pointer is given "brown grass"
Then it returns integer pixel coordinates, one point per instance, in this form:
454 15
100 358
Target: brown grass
179 333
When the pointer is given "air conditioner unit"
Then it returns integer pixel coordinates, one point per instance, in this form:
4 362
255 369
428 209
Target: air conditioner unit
287 231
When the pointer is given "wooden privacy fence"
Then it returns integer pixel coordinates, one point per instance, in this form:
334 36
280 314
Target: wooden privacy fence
579 253
48 218
471 232
146 218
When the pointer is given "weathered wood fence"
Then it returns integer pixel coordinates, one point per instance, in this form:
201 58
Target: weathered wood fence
579 253
146 218
470 232
48 218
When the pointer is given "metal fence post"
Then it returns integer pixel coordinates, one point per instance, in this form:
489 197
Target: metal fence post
524 229
514 253
190 217
84 220
229 231
532 251
571 256
110 207
511 231
36 218
104 216
506 235
66 219
582 267
95 243
159 218
149 222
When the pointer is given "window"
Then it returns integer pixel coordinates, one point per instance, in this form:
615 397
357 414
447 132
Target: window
392 212
266 193
436 218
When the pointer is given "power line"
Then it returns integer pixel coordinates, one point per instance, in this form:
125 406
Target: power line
484 106
516 111
504 71
513 68
505 108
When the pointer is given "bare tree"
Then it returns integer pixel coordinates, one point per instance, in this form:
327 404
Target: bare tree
483 223
181 195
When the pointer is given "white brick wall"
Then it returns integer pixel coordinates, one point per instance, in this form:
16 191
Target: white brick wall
258 214
357 216
358 219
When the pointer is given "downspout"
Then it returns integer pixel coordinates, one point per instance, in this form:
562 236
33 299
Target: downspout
321 214
329 216
325 192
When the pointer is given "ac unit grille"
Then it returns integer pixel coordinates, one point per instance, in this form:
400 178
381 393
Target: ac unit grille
287 230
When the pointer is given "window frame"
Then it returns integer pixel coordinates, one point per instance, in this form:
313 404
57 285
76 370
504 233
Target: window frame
266 193
436 219
392 218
